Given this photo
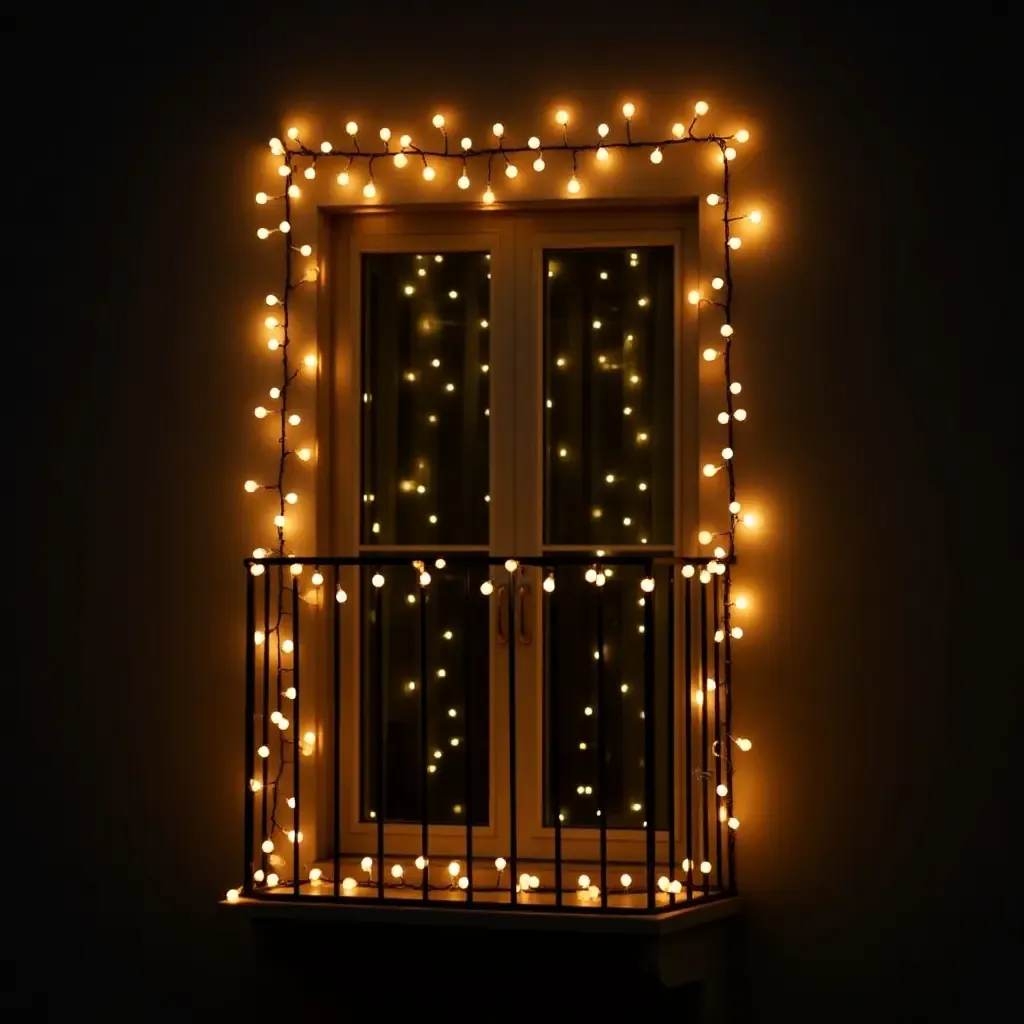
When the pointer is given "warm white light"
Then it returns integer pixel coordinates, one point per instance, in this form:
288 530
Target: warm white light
657 156
500 863
626 880
743 743
262 233
454 868
735 243
700 108
466 143
310 172
693 297
533 142
487 588
421 862
573 186
726 330
488 197
705 867
293 133
754 216
511 565
438 120
710 355
400 160
498 128
742 135
628 110
377 580
352 128
268 846
647 585
232 895
562 117
284 170
602 130
727 453
714 199
340 596
730 153
463 181
264 751
385 134
511 170
583 881
343 178
261 197
366 864
369 190
709 469
397 871
348 884
733 823
549 584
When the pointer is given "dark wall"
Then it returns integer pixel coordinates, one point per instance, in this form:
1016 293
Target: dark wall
881 713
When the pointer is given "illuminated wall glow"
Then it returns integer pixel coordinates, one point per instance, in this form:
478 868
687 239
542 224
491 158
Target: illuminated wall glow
481 170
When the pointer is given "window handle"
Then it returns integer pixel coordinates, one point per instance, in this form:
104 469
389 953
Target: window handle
503 616
525 636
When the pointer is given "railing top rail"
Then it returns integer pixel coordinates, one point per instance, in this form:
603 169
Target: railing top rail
464 558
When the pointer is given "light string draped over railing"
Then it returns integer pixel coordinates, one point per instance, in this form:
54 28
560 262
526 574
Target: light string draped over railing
299 160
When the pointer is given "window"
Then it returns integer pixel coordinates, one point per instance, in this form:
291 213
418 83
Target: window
511 383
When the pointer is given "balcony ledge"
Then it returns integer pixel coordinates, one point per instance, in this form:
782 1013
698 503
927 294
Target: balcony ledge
412 914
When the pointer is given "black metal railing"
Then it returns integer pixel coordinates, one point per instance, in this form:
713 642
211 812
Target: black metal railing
463 729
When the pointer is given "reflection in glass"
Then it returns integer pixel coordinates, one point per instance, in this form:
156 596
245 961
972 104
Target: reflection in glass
425 398
608 386
456 664
574 668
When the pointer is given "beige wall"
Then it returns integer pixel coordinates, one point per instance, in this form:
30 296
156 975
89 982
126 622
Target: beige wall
845 678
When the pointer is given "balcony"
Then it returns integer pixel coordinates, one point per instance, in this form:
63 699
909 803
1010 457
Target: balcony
475 733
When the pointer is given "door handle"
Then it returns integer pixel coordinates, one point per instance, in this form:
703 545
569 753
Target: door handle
502 625
525 635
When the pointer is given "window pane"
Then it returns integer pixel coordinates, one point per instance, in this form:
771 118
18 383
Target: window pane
456 651
609 387
577 615
425 398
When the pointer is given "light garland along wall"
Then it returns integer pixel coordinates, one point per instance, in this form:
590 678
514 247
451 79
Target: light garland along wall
289 738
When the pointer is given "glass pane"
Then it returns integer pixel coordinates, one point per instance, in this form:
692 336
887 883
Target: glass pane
454 677
582 621
425 398
609 329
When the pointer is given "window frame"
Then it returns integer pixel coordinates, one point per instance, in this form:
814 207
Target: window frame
516 236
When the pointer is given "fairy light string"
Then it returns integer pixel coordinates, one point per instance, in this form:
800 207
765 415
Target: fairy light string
296 156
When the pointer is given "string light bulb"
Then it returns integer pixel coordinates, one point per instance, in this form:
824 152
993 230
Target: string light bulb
573 186
438 121
700 108
628 110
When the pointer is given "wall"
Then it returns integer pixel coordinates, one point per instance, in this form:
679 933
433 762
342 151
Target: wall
864 802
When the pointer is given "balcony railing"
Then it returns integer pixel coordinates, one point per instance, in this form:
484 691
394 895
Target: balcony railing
473 731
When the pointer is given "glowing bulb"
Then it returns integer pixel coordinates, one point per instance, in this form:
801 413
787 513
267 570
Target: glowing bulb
602 130
602 153
573 186
306 250
429 174
385 134
511 565
294 191
727 453
730 153
533 142
463 181
377 580
264 751
562 117
705 867
626 881
488 197
260 412
340 596
421 862
400 160
700 108
352 128
538 164
590 576
276 147
348 884
262 233
628 110
397 871
268 846
466 143
714 199
272 300
511 170
284 170
261 197
709 469
754 216
369 190
705 537
743 743
657 156
735 243
251 486
647 585
343 178
310 172
710 355
284 227
232 895
678 130
487 588
500 863
742 135
454 868
498 128
438 121
717 283
693 297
